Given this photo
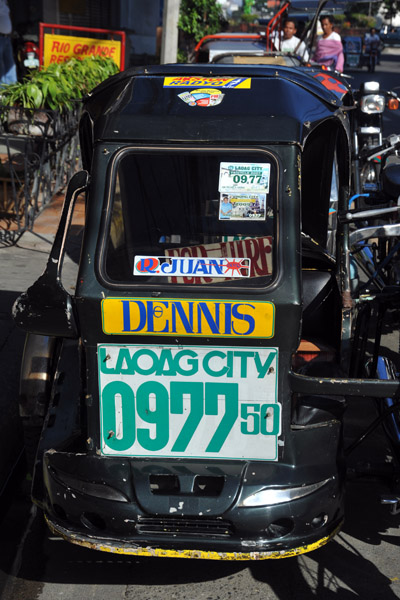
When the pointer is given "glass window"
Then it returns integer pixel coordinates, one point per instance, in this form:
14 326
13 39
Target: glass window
192 218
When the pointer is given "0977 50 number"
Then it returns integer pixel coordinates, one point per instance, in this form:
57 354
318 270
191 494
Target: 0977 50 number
124 414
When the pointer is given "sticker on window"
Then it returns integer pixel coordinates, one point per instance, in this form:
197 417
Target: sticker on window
202 97
190 81
165 266
242 207
244 177
257 250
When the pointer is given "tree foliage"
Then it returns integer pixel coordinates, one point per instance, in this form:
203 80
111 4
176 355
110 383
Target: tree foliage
198 18
363 8
391 8
248 7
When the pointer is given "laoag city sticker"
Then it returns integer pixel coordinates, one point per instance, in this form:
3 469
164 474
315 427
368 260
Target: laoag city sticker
203 97
242 207
244 177
162 266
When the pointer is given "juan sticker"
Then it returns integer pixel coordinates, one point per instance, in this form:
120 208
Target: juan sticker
162 266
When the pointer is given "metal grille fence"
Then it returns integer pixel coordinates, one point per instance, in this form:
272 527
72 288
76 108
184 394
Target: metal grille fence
39 152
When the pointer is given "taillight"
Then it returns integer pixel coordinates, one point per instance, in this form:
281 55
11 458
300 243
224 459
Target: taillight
309 351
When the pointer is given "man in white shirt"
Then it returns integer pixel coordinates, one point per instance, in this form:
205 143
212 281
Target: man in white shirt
8 73
288 42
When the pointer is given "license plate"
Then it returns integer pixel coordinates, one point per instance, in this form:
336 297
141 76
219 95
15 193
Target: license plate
352 61
189 401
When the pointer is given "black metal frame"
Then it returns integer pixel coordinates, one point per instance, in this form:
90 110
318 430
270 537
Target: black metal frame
41 166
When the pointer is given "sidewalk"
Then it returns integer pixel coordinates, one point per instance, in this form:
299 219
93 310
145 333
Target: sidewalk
24 262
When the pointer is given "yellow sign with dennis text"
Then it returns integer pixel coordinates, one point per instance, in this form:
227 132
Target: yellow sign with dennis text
59 48
205 318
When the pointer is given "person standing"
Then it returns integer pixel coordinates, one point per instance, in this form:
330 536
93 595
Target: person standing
225 208
8 71
329 49
372 44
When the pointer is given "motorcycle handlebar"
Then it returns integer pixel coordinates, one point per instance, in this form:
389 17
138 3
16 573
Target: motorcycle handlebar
391 143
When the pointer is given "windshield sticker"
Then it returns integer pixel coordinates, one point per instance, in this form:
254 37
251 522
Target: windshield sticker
242 207
208 82
189 401
162 266
257 250
197 318
202 97
244 177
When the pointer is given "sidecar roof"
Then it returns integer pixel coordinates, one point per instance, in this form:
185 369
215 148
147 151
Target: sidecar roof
253 104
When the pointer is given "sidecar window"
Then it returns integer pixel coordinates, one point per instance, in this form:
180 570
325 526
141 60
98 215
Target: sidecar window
320 193
192 218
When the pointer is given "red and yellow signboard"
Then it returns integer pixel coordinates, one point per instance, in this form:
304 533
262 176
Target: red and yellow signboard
59 48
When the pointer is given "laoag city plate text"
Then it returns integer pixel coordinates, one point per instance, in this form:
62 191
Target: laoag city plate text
191 401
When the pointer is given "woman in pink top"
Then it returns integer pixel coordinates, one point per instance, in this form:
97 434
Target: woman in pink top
329 50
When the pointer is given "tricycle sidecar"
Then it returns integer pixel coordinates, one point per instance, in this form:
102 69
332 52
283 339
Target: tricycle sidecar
195 409
353 55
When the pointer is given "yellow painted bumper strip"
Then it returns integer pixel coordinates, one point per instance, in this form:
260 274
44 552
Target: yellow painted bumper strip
201 554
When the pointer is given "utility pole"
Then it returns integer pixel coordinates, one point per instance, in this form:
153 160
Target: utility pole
169 40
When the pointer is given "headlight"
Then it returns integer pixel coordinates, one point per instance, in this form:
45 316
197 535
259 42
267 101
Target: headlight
271 496
373 103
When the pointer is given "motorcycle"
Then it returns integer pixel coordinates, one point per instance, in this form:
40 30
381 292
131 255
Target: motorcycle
367 125
382 261
375 249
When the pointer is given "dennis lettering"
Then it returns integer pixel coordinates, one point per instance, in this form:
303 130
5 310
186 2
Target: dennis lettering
147 316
